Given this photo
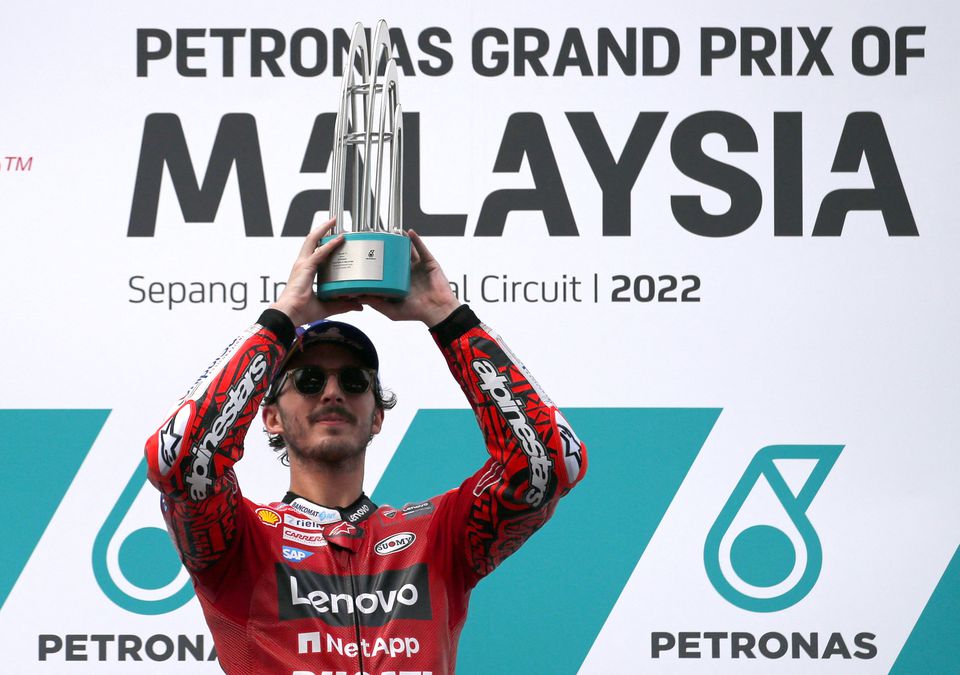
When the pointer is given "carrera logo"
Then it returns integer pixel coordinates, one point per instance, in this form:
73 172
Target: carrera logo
302 523
268 517
396 543
370 600
305 538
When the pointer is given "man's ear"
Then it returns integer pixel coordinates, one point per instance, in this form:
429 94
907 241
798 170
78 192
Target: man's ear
271 419
377 421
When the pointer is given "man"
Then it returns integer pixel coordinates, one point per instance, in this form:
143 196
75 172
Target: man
325 581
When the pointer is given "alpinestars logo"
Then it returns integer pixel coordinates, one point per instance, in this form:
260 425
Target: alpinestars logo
771 562
171 435
199 477
497 387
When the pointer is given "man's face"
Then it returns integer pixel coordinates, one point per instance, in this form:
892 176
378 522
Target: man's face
331 426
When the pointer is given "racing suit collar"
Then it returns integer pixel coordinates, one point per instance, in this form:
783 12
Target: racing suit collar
361 509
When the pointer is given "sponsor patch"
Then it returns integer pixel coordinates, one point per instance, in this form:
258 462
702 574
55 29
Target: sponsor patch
295 554
318 513
305 538
394 543
302 523
417 509
341 600
268 517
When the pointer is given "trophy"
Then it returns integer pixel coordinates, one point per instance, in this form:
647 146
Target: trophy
374 258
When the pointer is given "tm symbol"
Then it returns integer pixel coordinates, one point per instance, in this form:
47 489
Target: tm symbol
16 163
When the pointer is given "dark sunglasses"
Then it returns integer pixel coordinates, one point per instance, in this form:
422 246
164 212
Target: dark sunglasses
312 380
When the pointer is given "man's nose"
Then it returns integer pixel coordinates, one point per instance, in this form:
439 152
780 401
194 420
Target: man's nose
331 389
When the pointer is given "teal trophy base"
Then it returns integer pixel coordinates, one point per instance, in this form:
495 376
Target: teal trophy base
367 263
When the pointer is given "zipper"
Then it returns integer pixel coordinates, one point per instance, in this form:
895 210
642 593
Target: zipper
356 615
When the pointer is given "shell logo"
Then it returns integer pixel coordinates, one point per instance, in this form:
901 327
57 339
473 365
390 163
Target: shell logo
268 517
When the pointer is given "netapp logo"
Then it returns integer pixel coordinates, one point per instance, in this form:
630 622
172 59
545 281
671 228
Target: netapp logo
338 600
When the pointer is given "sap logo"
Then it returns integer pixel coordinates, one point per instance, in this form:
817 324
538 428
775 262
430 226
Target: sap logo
396 543
295 554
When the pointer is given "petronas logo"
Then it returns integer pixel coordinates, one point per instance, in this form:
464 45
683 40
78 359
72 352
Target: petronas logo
135 566
762 553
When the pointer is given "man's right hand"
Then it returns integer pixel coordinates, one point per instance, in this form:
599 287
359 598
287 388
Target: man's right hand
298 299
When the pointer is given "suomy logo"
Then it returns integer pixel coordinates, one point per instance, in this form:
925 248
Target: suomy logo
395 543
762 553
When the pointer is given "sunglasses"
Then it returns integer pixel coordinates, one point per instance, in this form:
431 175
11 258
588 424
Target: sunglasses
312 380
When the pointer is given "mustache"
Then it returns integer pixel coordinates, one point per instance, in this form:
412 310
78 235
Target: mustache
340 411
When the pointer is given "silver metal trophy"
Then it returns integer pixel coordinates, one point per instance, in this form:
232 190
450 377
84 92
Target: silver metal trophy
374 258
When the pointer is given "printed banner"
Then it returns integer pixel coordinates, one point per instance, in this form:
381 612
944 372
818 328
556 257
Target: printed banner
719 235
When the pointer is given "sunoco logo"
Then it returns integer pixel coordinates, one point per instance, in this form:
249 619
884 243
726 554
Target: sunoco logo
762 553
397 542
338 601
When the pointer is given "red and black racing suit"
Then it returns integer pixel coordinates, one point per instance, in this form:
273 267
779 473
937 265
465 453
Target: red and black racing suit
293 587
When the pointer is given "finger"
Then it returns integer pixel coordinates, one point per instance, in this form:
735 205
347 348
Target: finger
414 256
313 239
321 253
420 247
306 269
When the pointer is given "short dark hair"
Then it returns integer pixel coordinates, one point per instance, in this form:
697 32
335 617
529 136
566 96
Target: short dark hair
384 399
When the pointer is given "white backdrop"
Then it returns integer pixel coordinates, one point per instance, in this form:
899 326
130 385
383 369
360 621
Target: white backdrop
801 340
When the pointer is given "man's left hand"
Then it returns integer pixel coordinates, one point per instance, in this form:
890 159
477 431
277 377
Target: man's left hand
430 299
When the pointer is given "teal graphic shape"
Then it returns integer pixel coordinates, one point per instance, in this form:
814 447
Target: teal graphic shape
42 451
147 558
759 556
542 609
933 646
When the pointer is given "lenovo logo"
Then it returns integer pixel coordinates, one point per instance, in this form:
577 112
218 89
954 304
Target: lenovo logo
340 600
